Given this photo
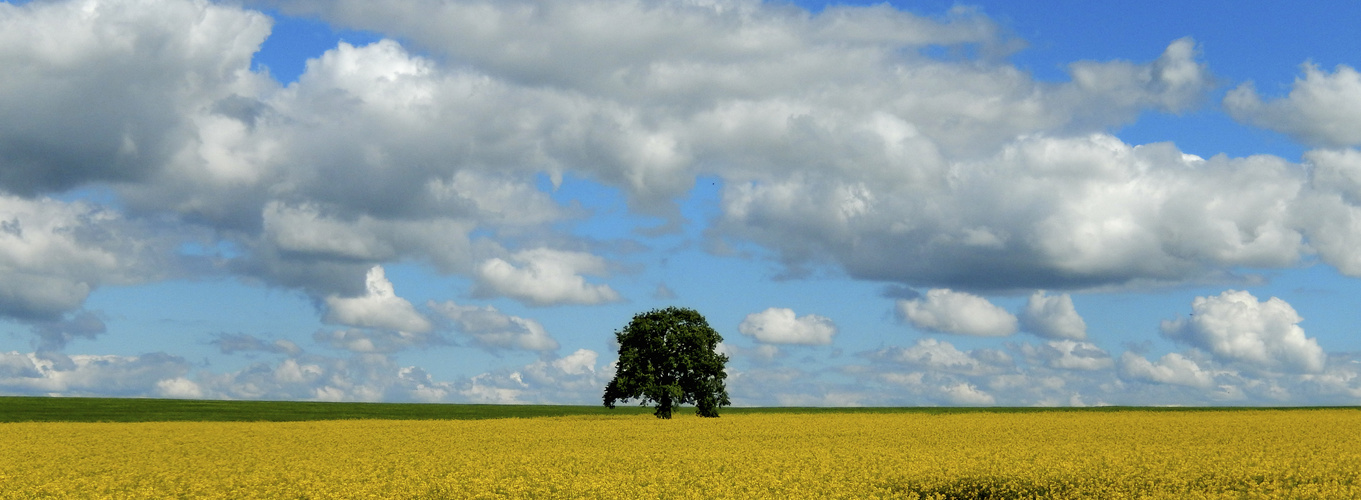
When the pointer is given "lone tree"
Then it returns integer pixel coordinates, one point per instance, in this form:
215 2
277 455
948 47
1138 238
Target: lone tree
666 356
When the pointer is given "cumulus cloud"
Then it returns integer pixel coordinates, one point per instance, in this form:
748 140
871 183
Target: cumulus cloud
943 357
494 329
1236 327
914 119
1340 382
779 325
1043 212
147 375
1070 355
948 311
179 387
579 362
968 395
15 365
1173 368
379 308
109 90
54 253
1331 212
1052 316
183 128
837 137
1322 108
545 277
834 134
383 322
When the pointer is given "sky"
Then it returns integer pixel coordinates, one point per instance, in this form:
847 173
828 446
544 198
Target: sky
926 203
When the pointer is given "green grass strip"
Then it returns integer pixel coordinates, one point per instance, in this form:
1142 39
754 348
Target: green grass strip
49 409
54 409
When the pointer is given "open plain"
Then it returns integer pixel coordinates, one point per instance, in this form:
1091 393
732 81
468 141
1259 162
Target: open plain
1129 453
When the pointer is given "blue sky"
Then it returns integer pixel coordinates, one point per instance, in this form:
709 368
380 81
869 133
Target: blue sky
912 203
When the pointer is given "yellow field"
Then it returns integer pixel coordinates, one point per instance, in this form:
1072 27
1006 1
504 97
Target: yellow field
1238 454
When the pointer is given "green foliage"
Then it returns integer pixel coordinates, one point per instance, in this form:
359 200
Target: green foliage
666 357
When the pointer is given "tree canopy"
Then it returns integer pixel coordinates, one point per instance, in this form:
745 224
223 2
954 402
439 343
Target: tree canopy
667 357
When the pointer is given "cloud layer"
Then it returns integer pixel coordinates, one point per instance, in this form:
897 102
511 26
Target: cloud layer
881 159
138 145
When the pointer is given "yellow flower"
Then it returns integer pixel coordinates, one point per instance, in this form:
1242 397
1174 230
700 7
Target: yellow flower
1124 454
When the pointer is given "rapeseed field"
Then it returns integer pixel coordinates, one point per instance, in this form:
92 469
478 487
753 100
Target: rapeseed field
1125 454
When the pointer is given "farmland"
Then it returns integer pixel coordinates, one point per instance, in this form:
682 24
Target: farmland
1130 453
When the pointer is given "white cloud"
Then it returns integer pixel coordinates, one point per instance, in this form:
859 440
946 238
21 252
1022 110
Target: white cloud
54 253
377 154
309 234
1322 109
361 378
1043 212
577 363
573 378
14 365
179 388
1053 316
835 136
492 328
1071 355
148 375
136 74
379 307
368 340
1336 172
1340 383
936 389
497 199
948 311
967 394
305 229
1173 369
421 386
1331 212
185 130
488 389
545 277
943 357
780 326
723 348
1236 327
